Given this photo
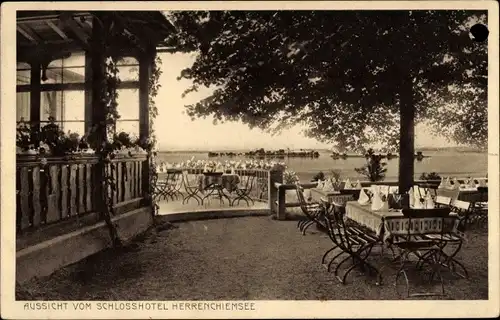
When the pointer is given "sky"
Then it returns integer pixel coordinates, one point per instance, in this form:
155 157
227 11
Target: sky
176 131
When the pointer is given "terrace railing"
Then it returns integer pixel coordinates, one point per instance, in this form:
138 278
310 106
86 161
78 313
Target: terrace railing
66 187
258 188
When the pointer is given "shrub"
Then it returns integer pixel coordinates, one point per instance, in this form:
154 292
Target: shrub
374 169
290 177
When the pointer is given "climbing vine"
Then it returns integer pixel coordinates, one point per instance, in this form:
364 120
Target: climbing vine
112 80
150 146
101 139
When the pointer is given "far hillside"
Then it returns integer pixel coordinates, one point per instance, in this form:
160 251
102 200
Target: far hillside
450 149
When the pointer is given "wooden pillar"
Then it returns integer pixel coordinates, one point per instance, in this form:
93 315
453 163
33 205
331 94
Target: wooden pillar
97 63
88 92
407 136
146 60
98 108
273 193
35 97
145 69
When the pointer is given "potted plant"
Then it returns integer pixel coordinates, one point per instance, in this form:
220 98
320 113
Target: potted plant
290 177
54 138
24 139
374 169
336 178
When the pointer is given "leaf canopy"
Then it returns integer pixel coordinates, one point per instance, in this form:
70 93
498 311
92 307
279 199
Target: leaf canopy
338 72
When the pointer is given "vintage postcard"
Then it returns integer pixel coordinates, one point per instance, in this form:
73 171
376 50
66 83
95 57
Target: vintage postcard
249 159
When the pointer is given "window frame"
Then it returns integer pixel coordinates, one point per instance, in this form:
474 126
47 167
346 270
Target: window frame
71 86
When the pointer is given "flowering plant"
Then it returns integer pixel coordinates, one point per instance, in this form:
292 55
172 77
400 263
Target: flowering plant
290 177
336 178
228 165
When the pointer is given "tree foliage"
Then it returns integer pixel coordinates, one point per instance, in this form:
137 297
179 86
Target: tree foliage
339 73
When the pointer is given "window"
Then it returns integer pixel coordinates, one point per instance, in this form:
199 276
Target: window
23 73
128 109
23 98
128 99
66 107
68 70
63 97
23 106
65 104
128 69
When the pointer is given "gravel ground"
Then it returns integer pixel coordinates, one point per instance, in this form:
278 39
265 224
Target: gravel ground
254 258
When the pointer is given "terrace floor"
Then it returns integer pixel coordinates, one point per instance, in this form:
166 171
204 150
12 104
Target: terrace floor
177 206
250 258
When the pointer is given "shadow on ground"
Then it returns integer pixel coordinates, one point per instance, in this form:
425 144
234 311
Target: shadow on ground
254 258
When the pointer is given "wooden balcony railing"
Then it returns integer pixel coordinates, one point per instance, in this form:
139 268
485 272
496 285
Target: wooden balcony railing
66 187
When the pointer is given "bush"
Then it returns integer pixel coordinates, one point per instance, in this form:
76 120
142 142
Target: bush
290 177
374 169
430 176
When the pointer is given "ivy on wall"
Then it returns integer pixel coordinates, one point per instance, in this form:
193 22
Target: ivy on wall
154 87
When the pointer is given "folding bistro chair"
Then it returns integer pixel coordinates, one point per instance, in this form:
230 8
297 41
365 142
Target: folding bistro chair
176 182
442 202
192 187
454 239
244 188
355 243
411 236
479 207
464 211
338 203
312 210
161 187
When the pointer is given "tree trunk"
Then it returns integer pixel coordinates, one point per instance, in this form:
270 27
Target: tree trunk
406 136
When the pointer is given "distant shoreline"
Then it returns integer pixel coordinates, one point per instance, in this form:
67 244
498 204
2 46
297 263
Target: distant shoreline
425 149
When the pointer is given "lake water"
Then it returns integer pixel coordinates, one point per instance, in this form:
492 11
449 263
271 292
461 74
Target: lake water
459 164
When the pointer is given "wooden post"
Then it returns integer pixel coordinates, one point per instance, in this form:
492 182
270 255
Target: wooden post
98 108
407 136
35 96
88 92
281 213
274 176
145 69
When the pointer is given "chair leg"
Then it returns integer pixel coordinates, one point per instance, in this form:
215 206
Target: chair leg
333 259
303 223
435 270
450 262
336 271
326 254
310 223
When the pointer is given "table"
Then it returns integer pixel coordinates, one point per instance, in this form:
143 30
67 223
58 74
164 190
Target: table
464 195
227 181
217 183
387 223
